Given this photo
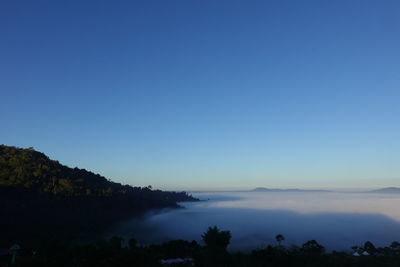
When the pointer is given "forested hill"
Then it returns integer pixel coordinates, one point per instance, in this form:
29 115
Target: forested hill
41 197
33 170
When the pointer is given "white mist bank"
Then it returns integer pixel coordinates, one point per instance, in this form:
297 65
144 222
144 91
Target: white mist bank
336 220
313 202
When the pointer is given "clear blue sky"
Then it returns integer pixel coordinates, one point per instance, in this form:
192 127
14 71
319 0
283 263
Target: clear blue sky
207 94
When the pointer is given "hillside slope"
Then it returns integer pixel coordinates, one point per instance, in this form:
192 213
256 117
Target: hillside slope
42 198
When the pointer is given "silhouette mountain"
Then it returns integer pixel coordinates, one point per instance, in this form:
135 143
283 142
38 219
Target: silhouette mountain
387 190
264 189
42 198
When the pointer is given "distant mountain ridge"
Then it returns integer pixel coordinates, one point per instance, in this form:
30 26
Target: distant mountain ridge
387 190
264 189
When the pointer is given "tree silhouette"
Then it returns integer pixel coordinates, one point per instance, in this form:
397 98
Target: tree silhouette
279 238
395 245
132 243
369 247
312 247
116 242
214 238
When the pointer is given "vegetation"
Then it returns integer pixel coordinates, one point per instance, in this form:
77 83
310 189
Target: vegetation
216 239
40 198
46 207
279 238
113 253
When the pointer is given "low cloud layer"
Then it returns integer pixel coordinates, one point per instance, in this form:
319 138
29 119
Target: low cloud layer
336 220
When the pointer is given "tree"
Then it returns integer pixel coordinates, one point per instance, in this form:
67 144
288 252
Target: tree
279 238
395 245
214 238
369 247
312 247
132 243
116 242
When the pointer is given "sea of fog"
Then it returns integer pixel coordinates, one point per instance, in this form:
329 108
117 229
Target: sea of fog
336 220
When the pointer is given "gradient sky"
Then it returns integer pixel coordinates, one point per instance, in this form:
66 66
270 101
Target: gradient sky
207 94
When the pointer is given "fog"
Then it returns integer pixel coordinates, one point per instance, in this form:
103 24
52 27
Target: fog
336 220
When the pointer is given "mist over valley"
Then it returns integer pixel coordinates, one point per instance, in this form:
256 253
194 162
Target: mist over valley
337 220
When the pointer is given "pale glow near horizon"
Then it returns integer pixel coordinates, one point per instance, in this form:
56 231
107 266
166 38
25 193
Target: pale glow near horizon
308 203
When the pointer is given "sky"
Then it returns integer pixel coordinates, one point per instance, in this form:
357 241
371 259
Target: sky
207 94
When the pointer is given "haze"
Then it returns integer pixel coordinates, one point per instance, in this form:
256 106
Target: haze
336 220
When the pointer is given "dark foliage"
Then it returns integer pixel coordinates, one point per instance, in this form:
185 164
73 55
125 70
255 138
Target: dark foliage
312 247
45 205
216 239
279 238
111 253
42 199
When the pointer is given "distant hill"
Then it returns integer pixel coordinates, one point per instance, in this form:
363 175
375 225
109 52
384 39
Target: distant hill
387 190
263 189
40 197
